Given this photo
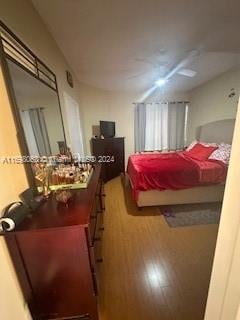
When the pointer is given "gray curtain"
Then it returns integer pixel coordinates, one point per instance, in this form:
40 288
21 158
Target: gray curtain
176 125
160 126
139 126
40 131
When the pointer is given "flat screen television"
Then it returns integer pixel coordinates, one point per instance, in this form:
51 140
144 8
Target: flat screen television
107 129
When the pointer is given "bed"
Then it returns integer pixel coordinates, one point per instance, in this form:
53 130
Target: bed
153 181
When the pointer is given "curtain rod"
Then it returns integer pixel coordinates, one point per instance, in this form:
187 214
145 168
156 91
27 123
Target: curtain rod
165 102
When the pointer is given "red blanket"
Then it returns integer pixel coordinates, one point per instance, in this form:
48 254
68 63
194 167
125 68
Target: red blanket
174 171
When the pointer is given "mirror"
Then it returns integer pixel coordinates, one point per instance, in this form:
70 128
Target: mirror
39 112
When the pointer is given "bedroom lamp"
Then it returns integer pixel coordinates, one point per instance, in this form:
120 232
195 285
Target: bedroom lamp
161 82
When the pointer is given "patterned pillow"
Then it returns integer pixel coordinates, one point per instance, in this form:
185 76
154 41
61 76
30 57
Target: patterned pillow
226 145
222 153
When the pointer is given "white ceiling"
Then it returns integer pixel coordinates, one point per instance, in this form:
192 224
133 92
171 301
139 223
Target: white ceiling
106 42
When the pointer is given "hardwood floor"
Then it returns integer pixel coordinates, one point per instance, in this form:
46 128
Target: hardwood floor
151 271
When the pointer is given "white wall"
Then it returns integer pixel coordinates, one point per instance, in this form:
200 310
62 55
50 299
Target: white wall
210 102
99 105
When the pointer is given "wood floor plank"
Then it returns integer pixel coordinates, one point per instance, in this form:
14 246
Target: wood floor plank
151 271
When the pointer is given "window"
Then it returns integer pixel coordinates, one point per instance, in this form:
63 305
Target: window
160 126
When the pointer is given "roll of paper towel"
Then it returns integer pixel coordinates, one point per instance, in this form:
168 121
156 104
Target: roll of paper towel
7 224
13 215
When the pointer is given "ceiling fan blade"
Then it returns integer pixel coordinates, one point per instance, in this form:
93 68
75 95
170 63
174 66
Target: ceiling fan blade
136 75
143 60
187 73
191 55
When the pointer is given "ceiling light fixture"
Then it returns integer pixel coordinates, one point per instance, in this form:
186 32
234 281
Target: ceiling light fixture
161 82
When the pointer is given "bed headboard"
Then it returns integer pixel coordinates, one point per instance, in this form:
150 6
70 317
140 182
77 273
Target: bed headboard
217 131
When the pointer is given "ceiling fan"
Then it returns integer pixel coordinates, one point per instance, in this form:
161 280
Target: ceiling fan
180 68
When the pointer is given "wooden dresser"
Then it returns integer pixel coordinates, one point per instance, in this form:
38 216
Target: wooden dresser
109 152
55 254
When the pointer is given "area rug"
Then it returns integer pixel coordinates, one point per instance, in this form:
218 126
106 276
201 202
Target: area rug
189 215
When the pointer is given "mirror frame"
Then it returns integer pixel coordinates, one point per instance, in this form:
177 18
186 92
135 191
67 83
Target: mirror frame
40 75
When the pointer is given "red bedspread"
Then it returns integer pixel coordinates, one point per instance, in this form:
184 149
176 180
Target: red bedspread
174 171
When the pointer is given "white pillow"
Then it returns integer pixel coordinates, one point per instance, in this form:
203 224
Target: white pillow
222 153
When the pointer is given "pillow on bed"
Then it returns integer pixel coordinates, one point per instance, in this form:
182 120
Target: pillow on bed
205 144
201 152
192 145
222 153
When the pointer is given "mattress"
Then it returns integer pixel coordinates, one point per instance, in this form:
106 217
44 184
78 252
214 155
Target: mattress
172 171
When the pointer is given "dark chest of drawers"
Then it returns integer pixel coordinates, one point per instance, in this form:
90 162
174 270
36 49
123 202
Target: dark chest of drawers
110 153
